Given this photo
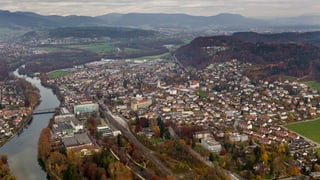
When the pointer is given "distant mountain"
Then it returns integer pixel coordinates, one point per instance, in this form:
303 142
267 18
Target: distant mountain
32 20
306 20
98 32
159 21
180 20
271 58
21 19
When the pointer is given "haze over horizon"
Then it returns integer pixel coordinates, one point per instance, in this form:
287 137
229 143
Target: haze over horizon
249 8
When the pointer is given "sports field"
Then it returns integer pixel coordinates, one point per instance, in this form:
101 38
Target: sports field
309 129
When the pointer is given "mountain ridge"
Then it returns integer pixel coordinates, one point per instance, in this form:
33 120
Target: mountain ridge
180 21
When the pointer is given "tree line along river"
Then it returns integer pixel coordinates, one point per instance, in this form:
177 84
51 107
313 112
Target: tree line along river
22 150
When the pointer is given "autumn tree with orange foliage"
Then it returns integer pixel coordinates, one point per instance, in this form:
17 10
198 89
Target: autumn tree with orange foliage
4 168
44 146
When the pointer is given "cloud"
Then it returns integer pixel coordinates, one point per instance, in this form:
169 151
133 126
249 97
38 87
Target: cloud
194 7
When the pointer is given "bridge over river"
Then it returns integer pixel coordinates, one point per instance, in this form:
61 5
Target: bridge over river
44 111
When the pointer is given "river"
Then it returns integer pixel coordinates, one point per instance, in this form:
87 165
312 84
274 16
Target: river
22 150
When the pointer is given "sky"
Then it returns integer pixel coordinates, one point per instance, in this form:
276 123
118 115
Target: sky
249 8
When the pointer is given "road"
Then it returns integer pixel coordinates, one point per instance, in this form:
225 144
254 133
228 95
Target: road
192 152
121 125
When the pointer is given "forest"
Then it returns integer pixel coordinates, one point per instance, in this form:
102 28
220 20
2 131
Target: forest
269 59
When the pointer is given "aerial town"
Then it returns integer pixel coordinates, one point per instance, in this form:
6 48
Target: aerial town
218 110
159 90
15 107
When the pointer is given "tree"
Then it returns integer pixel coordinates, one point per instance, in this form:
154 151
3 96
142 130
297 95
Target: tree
90 170
4 158
92 125
118 171
137 119
291 116
264 157
156 131
119 140
144 122
161 126
70 173
44 146
193 143
167 134
58 161
211 157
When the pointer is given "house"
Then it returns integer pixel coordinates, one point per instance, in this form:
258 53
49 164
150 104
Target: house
194 84
239 138
202 135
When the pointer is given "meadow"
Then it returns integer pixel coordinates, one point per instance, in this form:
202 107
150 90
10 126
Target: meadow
309 129
58 74
314 85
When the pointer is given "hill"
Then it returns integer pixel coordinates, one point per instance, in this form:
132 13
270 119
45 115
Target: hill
286 37
95 32
32 20
180 21
159 21
271 57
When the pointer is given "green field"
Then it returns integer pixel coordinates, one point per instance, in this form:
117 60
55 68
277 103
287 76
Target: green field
314 85
309 129
58 74
95 47
318 151
56 49
202 93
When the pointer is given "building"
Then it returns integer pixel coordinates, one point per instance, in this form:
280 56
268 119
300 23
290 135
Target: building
80 144
86 108
239 138
62 129
202 135
70 119
77 142
105 130
136 104
194 84
211 145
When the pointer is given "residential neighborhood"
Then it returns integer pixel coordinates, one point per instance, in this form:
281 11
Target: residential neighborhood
219 102
15 109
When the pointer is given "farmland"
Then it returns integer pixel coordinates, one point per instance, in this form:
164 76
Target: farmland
95 47
58 74
309 129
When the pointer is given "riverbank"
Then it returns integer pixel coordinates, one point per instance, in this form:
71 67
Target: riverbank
55 89
23 147
33 98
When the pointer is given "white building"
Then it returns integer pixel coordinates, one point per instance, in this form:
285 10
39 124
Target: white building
239 138
211 145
